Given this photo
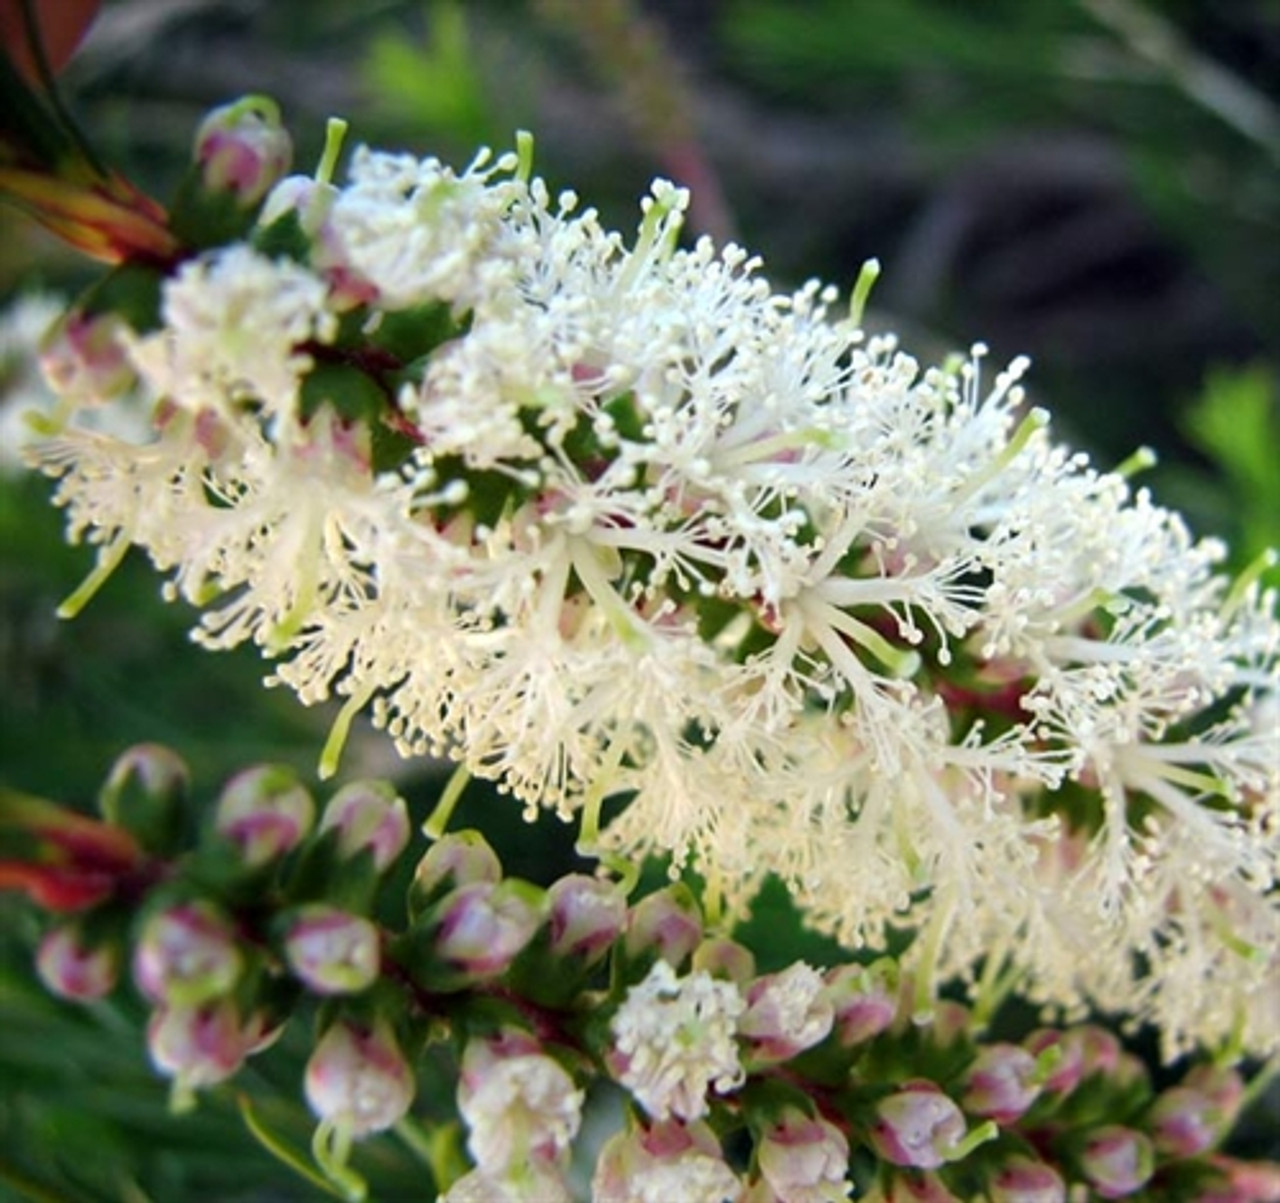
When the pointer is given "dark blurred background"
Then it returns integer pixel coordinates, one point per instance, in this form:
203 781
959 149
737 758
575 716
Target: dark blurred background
1095 183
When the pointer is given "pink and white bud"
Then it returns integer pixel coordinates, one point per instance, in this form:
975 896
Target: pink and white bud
358 1080
266 812
1117 1161
1245 1181
786 1013
522 1183
918 1127
804 1159
484 927
1222 1085
1183 1122
242 149
368 816
864 1000
587 916
919 1187
460 858
332 951
659 1164
72 967
668 922
1100 1051
1025 1180
83 358
187 955
203 1045
725 959
1002 1083
519 1104
1068 1058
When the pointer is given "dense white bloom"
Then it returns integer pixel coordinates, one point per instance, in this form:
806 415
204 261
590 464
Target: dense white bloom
594 519
674 1039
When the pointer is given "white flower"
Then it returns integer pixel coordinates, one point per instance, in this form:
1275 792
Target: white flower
668 1161
674 1041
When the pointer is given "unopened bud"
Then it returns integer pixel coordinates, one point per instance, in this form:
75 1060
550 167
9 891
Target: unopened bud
203 1045
187 955
145 793
1068 1052
358 1080
1002 1083
1025 1180
864 998
266 812
242 149
668 1160
586 916
803 1157
922 1187
484 926
786 1013
459 858
918 1126
368 816
1117 1161
1184 1123
332 951
72 967
724 959
667 922
83 358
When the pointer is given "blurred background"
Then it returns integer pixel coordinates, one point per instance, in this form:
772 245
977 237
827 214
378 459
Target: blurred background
1094 183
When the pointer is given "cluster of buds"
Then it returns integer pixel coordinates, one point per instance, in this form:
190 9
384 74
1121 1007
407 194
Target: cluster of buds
795 1084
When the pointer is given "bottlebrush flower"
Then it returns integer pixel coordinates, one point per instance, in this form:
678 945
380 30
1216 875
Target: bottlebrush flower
599 518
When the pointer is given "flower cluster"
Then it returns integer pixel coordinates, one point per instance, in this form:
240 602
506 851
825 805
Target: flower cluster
598 519
795 1086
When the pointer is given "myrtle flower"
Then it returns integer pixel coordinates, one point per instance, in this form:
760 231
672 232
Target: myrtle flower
674 1039
599 517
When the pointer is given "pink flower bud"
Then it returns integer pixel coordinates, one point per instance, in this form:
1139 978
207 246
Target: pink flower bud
1245 1181
266 811
786 1013
1183 1122
242 149
919 1126
724 959
587 916
1117 1161
332 951
460 858
1068 1067
187 955
1024 1180
145 793
919 1188
668 922
73 968
203 1045
1222 1085
864 999
358 1080
1002 1083
483 927
804 1159
368 815
83 358
665 1162
1099 1049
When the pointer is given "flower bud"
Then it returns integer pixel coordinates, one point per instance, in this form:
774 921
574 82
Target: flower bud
72 967
1184 1123
918 1126
919 1188
1099 1050
804 1158
266 811
1117 1161
358 1080
203 1045
667 922
484 926
864 1000
724 959
368 816
586 916
786 1013
187 955
1245 1181
83 358
1025 1180
242 149
1068 1067
459 858
666 1161
145 793
1002 1083
332 951
1223 1086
